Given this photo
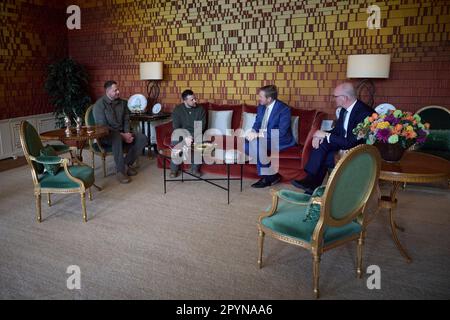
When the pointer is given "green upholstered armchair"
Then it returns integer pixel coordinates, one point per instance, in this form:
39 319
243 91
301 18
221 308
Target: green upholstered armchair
320 223
438 141
95 147
68 179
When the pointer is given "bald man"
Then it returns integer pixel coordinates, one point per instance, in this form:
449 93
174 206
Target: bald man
325 144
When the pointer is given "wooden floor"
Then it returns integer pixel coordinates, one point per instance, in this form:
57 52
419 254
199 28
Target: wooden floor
11 163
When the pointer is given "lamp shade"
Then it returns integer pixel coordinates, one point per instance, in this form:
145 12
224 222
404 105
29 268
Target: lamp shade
368 66
151 70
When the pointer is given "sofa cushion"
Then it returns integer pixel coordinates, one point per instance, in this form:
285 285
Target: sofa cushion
220 121
237 111
248 119
293 152
306 118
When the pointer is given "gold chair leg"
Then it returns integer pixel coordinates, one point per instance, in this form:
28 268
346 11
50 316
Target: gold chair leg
359 256
104 166
83 206
38 207
90 194
49 200
316 272
261 245
93 160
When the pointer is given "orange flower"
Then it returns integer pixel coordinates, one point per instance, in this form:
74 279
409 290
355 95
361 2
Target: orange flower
370 119
427 125
373 127
410 135
374 116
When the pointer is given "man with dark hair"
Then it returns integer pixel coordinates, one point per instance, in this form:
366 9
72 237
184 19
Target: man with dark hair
184 117
272 114
326 144
111 111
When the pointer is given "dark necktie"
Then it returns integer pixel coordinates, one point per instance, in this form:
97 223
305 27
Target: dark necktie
343 116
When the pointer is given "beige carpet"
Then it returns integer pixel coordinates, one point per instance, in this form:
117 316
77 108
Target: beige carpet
189 244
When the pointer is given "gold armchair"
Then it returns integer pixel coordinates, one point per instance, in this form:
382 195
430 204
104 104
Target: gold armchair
339 213
72 179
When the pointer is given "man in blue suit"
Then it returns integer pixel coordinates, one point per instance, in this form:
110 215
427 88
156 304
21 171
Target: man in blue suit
272 114
325 144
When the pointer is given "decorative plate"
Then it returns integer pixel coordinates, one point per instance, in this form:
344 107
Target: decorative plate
156 108
137 103
384 108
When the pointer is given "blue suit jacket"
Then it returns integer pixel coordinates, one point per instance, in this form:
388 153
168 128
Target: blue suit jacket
280 118
359 113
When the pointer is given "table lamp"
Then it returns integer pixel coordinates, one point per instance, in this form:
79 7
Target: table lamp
368 67
153 73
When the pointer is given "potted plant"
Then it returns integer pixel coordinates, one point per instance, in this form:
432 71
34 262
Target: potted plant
392 133
67 86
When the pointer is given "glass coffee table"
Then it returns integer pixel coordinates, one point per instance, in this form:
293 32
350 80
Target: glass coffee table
217 157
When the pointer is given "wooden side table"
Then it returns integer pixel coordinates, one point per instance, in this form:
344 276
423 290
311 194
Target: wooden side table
414 167
147 118
79 138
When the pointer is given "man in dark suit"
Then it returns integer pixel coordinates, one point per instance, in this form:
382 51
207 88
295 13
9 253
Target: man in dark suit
272 114
326 144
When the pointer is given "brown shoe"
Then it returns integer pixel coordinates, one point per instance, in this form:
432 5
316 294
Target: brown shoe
131 172
123 178
174 174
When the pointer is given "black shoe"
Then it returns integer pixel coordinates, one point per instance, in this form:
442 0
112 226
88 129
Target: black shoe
302 185
261 183
273 179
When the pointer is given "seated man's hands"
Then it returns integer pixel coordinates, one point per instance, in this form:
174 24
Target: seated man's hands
188 141
127 137
318 137
252 135
316 142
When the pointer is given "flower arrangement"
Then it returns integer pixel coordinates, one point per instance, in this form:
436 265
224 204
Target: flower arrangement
394 127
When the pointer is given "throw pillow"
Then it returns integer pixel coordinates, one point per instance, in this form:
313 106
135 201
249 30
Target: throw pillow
48 151
294 127
220 121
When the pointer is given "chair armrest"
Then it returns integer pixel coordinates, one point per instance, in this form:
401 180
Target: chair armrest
47 159
163 132
294 197
307 148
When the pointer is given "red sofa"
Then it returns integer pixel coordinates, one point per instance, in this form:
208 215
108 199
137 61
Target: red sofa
292 160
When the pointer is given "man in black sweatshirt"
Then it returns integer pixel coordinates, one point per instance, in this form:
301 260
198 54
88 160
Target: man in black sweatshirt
184 116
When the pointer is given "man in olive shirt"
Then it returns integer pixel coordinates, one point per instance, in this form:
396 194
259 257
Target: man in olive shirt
111 111
184 116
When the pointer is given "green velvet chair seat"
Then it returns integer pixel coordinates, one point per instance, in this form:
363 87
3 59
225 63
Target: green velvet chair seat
292 196
289 221
61 148
61 181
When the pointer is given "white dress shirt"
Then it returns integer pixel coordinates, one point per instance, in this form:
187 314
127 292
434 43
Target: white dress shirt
346 118
266 117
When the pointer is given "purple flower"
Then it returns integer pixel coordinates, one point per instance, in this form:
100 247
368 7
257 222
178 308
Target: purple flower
392 119
383 135
421 136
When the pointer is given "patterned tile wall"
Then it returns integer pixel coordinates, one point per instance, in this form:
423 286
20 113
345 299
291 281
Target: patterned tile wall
32 34
225 49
